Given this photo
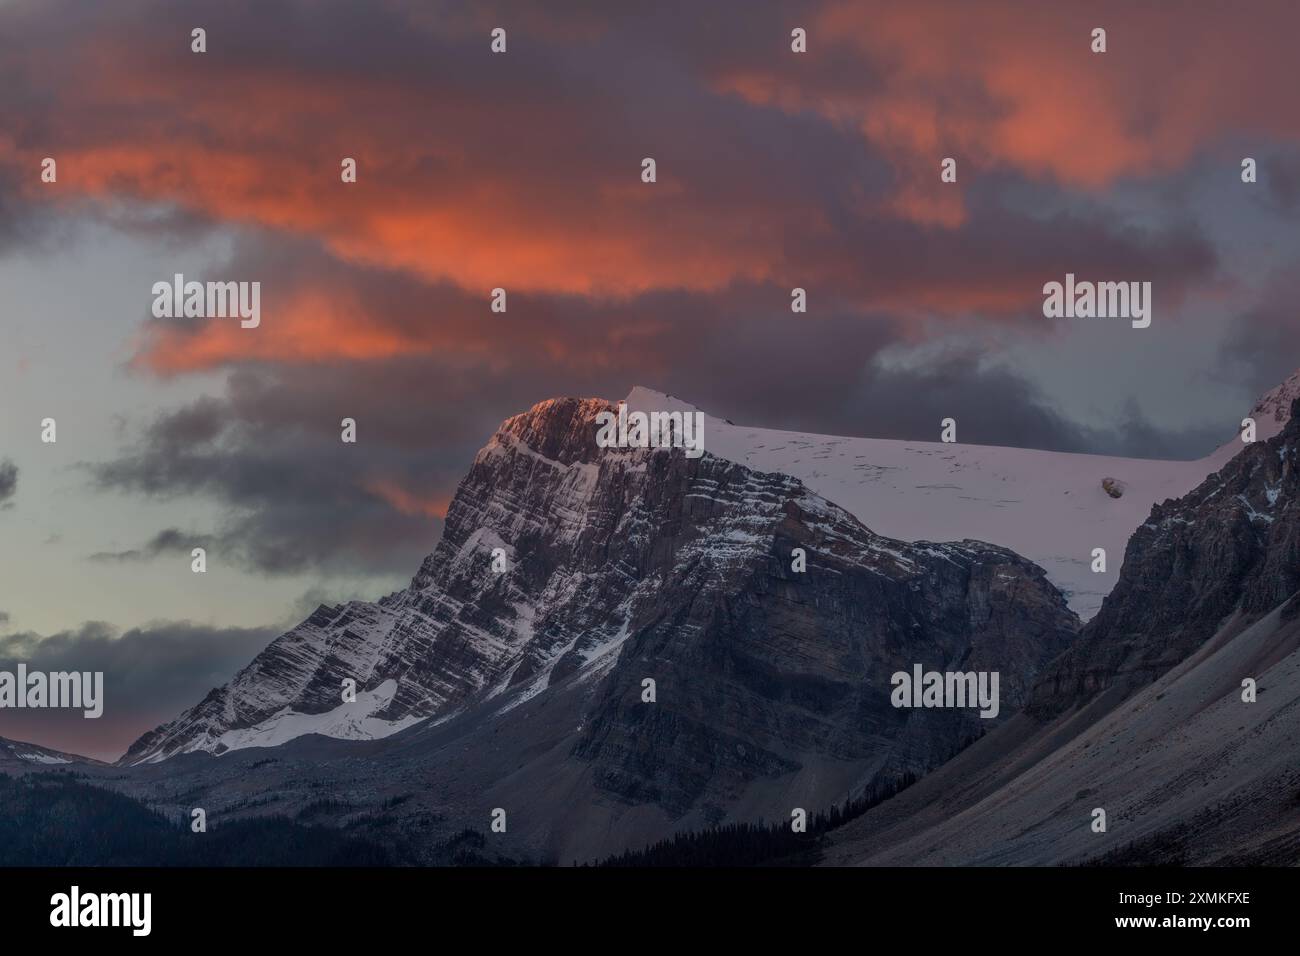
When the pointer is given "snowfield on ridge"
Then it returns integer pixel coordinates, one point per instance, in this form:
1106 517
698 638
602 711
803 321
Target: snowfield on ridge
1047 506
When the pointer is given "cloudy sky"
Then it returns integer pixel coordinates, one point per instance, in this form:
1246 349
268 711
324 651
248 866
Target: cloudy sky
522 170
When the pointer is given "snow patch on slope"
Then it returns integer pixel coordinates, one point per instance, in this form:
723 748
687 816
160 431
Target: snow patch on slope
34 753
348 721
41 758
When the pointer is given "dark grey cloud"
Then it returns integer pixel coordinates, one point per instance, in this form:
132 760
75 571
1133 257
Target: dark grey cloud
15 219
294 497
1262 344
166 542
151 674
993 405
1135 436
1282 178
8 482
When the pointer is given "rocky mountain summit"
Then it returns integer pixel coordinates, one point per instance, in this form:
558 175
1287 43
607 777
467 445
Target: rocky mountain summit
1274 408
622 565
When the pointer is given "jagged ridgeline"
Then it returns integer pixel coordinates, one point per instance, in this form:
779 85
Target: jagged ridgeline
615 645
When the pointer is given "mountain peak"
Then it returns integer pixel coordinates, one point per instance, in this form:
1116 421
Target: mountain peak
644 399
1275 406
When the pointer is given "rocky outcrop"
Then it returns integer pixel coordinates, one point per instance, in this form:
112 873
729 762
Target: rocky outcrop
1273 410
1230 546
1174 709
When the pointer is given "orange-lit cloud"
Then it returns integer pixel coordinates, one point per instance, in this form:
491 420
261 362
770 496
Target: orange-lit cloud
1012 83
312 326
523 171
409 502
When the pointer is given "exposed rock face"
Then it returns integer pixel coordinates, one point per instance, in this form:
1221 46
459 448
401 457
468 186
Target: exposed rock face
757 666
631 564
1232 544
1147 713
460 630
1188 772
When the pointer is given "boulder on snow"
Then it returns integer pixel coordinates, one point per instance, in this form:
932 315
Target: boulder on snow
1113 487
